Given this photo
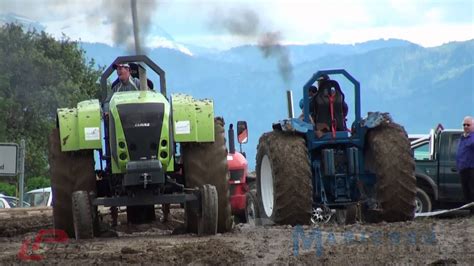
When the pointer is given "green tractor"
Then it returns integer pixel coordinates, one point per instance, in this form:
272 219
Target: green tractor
152 150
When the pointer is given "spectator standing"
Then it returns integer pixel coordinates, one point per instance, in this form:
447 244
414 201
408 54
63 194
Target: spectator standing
465 159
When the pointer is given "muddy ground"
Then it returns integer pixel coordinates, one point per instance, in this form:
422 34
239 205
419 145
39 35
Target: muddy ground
423 241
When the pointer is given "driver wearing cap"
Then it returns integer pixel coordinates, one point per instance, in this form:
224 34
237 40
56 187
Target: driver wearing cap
126 81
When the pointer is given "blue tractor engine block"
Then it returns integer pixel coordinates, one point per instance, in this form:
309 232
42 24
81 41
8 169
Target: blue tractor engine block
338 172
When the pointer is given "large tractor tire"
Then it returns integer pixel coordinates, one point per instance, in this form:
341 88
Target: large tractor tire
284 188
70 171
388 155
82 215
206 163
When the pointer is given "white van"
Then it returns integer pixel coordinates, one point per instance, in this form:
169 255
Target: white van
39 197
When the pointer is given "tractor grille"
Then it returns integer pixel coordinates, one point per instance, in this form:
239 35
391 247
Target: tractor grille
236 175
142 125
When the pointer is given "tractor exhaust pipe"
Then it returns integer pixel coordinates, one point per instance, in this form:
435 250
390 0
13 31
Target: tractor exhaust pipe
138 48
289 100
143 78
231 139
136 32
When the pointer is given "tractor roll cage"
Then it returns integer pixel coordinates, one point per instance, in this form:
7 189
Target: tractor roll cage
132 59
341 137
320 73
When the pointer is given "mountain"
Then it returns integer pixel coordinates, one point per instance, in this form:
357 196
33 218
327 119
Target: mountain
304 53
418 86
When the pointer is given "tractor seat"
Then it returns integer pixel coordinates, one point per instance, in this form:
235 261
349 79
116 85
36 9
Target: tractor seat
148 81
322 105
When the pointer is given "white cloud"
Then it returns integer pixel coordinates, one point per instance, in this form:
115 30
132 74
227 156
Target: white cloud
51 10
425 22
428 35
79 28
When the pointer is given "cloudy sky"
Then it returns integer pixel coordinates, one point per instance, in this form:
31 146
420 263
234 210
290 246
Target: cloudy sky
223 24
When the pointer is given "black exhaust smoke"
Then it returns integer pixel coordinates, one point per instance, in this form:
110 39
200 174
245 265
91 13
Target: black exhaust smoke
131 21
245 24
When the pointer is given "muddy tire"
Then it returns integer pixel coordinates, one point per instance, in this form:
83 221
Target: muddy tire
388 155
284 188
206 163
207 222
141 214
251 208
82 215
423 201
70 171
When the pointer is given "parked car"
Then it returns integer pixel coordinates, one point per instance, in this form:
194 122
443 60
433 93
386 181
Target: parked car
39 197
7 202
438 181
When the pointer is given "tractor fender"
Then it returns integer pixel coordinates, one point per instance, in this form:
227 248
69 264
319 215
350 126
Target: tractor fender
374 119
292 125
80 127
193 119
430 182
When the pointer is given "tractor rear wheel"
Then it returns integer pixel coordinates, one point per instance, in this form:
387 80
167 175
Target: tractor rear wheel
388 155
70 171
206 163
82 215
284 188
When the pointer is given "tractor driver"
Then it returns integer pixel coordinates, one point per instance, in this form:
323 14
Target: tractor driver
323 79
126 81
330 109
312 91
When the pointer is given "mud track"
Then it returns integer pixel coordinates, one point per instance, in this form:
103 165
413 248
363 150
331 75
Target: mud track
424 241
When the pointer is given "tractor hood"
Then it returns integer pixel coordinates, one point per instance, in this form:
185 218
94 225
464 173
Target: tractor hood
139 128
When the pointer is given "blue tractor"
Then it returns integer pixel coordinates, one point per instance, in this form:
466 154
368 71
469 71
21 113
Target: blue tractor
314 168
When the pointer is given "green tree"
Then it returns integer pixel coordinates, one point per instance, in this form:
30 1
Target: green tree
37 182
39 74
7 189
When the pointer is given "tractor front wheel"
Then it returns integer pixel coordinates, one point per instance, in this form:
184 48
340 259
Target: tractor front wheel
70 171
206 163
251 208
207 222
82 215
